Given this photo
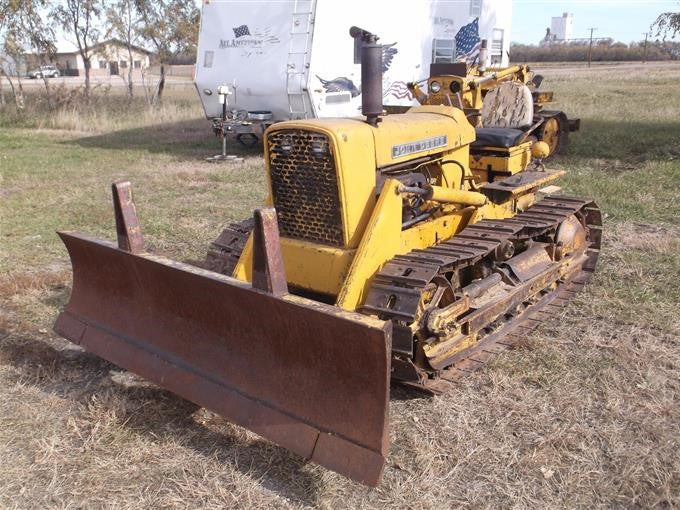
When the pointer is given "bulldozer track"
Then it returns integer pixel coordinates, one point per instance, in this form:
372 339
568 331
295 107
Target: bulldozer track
471 245
512 334
464 250
224 252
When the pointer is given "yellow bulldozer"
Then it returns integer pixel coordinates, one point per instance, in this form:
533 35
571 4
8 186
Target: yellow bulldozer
380 256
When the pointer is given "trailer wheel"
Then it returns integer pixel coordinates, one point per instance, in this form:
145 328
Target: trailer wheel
247 139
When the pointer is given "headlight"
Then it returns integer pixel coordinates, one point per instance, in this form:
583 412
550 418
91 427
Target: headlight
286 145
319 149
435 87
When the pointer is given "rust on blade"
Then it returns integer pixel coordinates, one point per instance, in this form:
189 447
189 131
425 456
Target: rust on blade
305 375
128 228
268 272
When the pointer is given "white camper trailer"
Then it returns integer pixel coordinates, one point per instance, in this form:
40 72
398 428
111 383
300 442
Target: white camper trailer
294 59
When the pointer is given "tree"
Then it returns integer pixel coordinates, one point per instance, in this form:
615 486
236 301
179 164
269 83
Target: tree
25 33
667 23
123 20
11 57
79 18
4 10
171 26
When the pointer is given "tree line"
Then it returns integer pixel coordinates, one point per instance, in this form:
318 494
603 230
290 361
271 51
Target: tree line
29 31
602 50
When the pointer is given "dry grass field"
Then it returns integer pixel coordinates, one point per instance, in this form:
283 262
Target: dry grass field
585 413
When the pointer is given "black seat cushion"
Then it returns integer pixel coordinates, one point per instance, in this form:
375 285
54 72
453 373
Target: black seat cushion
497 137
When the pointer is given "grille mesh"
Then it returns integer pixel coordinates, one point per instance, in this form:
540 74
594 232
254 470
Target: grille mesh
304 186
435 99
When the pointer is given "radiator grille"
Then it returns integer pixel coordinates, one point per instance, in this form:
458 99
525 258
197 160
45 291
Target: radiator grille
435 99
304 186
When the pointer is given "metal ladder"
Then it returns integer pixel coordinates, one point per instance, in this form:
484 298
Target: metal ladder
298 59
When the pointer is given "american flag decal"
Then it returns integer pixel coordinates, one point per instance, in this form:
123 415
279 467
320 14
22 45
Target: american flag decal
468 41
241 31
265 34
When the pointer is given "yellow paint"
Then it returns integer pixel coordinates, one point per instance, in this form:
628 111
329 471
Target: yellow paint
453 172
540 150
381 242
372 226
493 211
307 265
471 97
456 196
244 267
524 202
316 267
500 160
352 146
471 88
436 230
421 123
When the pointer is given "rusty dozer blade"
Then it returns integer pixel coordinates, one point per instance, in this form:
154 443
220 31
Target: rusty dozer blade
305 375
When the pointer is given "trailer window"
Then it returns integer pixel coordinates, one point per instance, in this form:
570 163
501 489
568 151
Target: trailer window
443 51
496 52
208 58
475 8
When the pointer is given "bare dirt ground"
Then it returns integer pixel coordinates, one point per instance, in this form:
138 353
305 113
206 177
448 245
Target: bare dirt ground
584 414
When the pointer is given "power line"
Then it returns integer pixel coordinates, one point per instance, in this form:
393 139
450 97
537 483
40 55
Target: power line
590 47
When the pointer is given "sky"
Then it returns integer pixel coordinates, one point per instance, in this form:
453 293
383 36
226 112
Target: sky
622 20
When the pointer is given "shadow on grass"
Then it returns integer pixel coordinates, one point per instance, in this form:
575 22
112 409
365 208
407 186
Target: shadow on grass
186 140
155 412
634 141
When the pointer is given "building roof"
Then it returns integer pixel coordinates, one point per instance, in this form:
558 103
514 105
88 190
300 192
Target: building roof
66 48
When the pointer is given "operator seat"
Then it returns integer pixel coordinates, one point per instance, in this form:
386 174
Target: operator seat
506 112
497 137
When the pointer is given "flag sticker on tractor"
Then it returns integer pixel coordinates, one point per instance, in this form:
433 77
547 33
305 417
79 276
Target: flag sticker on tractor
404 149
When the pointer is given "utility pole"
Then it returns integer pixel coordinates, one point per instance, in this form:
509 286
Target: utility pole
644 53
590 48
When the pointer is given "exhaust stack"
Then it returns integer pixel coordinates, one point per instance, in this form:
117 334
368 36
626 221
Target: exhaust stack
371 74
